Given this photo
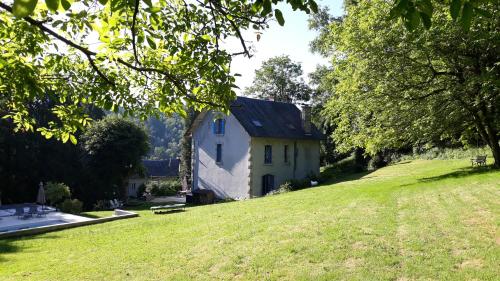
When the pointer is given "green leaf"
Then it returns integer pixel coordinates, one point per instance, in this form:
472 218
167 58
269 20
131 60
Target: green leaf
313 5
140 38
103 2
53 5
257 6
23 8
279 17
426 20
398 9
425 6
267 8
394 13
455 7
72 139
65 4
466 19
483 12
412 19
151 42
108 105
65 137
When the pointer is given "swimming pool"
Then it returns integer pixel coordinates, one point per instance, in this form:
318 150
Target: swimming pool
29 225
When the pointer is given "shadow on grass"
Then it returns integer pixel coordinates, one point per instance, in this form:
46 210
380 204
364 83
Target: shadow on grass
165 212
92 216
145 206
335 175
7 245
460 173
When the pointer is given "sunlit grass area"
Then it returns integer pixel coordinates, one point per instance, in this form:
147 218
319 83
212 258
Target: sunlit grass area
422 219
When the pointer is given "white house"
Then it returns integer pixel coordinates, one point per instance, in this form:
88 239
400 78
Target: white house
254 149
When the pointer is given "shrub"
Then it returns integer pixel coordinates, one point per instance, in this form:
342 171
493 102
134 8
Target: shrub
100 205
112 151
141 190
297 184
376 162
226 200
284 188
55 192
164 188
71 206
445 153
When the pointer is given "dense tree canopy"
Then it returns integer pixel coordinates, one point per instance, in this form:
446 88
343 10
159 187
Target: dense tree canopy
165 135
26 159
280 78
144 57
395 88
113 148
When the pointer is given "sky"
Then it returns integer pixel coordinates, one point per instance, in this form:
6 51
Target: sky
291 39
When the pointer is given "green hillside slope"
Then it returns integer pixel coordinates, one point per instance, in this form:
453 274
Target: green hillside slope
434 219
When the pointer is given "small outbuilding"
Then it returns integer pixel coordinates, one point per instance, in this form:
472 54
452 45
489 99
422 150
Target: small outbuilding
154 170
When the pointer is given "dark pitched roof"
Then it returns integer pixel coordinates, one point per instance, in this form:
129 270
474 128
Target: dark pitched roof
263 118
162 168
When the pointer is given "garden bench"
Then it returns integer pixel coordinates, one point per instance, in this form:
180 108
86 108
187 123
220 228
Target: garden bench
478 160
173 207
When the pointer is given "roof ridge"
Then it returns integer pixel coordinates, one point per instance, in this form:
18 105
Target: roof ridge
263 100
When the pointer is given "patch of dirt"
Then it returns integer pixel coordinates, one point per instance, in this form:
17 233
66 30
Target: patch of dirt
457 252
352 263
474 263
358 245
481 218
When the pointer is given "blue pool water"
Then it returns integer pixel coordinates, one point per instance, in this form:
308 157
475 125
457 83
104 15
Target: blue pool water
29 225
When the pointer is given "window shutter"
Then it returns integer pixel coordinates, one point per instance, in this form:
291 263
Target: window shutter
214 127
223 126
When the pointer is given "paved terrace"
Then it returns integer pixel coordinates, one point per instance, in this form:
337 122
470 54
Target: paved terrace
10 222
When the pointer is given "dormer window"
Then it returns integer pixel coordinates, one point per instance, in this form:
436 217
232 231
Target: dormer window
218 126
257 123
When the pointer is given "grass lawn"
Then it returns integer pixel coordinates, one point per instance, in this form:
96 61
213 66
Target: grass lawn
417 220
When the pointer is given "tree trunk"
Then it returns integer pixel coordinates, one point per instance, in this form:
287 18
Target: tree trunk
493 144
496 155
185 169
489 136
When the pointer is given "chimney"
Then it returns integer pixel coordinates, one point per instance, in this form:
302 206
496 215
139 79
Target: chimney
306 119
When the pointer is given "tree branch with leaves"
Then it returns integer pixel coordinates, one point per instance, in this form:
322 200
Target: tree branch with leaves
130 56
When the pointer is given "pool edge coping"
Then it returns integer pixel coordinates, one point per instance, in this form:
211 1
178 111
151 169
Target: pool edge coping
118 215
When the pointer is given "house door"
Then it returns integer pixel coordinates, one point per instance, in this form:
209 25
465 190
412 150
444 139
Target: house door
267 184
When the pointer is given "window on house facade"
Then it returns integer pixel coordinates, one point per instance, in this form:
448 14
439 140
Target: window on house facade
218 126
219 153
285 153
268 154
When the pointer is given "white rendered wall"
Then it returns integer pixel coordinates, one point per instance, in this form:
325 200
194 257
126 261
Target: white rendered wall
229 179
